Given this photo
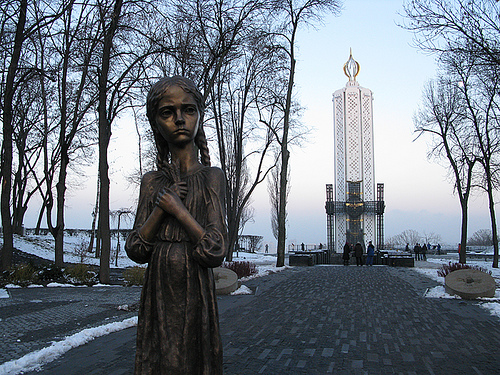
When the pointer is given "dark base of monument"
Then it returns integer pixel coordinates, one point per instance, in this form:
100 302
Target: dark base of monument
380 258
309 258
301 260
399 261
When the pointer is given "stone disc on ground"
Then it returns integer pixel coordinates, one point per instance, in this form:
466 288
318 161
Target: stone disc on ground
226 280
470 284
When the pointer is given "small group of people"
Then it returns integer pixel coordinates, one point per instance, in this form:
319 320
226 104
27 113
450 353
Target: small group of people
420 251
358 253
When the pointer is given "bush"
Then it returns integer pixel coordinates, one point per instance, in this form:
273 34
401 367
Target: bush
134 275
241 268
26 274
23 275
80 274
50 273
450 267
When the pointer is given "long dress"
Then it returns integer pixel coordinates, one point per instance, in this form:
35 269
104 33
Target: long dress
178 328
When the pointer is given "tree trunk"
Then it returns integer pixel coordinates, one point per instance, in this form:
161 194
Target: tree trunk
61 189
493 219
285 156
8 237
104 136
280 261
39 220
463 237
94 219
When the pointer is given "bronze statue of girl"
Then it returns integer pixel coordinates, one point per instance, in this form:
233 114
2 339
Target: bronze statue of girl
180 231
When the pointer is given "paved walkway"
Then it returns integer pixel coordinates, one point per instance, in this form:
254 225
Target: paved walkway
311 320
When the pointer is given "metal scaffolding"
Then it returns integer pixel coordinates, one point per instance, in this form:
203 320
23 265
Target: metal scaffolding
354 208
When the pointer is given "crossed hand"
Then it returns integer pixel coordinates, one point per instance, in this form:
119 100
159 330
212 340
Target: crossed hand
170 198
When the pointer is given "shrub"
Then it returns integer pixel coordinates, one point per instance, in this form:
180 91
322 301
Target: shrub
50 273
134 275
450 267
23 275
241 268
80 274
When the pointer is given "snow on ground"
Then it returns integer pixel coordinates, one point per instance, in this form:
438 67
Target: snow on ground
242 290
265 264
4 293
43 246
35 360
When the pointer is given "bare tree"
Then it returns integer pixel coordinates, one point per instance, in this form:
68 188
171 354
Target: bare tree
482 237
430 237
443 116
123 60
408 236
237 99
209 33
33 19
219 44
110 27
19 21
290 15
479 85
467 33
469 27
27 114
8 98
76 99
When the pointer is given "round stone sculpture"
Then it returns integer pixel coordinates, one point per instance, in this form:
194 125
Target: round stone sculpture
226 280
470 284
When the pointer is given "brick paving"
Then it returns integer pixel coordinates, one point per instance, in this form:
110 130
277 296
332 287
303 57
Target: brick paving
35 317
311 320
359 320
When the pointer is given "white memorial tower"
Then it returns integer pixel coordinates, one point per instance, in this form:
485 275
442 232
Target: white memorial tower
354 205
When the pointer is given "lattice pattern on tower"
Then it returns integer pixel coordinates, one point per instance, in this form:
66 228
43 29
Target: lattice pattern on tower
353 134
367 140
339 147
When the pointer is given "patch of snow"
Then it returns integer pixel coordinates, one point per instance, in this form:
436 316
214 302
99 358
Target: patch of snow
242 290
257 258
492 307
439 292
59 285
431 273
264 271
35 360
4 293
35 286
12 286
105 285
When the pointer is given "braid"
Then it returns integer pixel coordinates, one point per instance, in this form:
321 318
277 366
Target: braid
163 154
201 141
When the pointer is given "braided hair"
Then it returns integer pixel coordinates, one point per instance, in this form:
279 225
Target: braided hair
153 99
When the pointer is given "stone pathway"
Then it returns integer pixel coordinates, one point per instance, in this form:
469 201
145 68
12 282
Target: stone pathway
322 320
359 320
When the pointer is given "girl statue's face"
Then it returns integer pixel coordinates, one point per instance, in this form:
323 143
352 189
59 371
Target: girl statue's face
177 118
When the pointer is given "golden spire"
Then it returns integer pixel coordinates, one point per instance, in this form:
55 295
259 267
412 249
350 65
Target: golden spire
351 68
